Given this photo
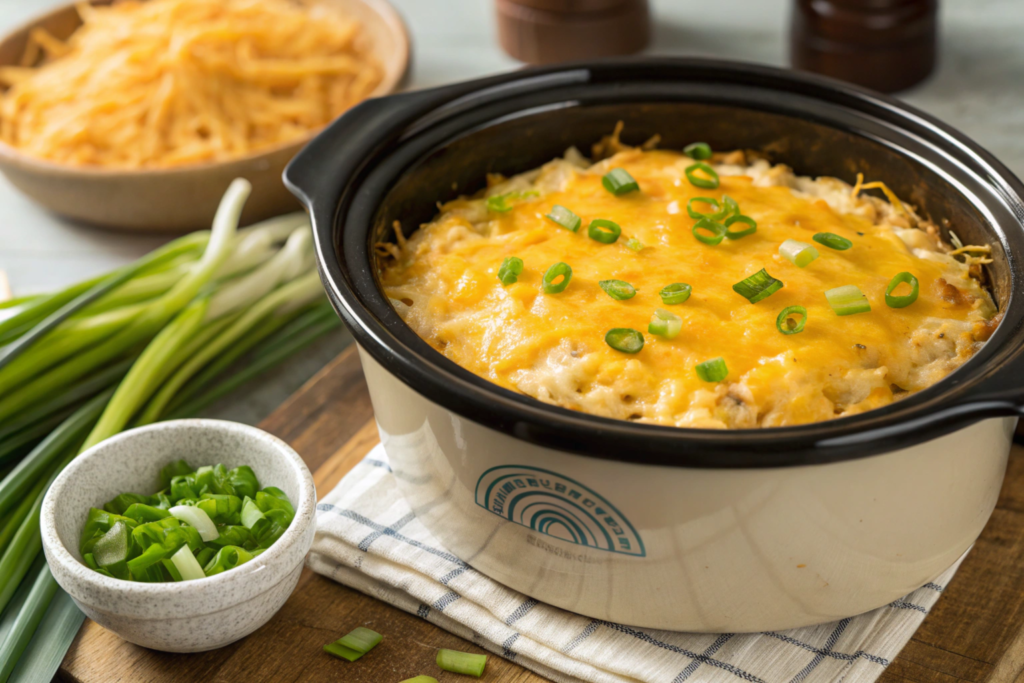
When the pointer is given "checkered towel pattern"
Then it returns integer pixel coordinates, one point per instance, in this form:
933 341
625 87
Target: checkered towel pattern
369 539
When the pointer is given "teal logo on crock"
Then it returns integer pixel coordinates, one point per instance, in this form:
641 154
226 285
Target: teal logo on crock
557 506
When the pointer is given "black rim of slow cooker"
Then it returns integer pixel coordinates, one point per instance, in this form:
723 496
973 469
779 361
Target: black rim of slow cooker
960 399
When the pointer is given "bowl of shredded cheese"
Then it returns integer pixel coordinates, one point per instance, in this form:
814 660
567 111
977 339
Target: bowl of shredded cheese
137 114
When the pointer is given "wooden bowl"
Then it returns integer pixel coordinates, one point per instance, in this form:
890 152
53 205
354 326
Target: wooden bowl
185 198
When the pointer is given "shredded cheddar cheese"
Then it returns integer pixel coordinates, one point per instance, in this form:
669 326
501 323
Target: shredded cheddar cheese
163 83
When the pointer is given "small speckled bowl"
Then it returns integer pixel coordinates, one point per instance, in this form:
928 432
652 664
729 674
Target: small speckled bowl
195 615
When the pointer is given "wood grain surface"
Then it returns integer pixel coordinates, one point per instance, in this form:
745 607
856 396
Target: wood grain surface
975 633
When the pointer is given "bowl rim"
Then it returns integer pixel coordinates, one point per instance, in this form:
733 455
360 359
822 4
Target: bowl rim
305 508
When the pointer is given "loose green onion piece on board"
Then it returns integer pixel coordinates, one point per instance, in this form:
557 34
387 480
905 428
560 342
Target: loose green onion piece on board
604 231
713 370
698 150
355 644
785 324
717 214
665 324
758 286
461 662
620 290
847 300
907 299
187 565
708 231
708 183
619 182
675 293
510 270
634 244
420 679
624 339
549 286
833 241
564 217
745 220
798 253
729 206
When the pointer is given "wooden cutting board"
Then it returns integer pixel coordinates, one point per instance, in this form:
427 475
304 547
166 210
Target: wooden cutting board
974 633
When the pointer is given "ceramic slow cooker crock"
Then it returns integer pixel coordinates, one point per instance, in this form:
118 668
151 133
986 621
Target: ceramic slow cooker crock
682 529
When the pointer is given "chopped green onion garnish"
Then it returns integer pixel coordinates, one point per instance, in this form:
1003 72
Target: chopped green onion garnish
604 231
499 203
665 324
625 339
785 325
709 183
510 270
553 273
355 644
729 206
713 370
698 150
798 253
619 182
564 217
618 289
704 226
847 300
833 241
634 244
420 679
715 215
675 293
758 286
906 300
745 220
187 565
461 662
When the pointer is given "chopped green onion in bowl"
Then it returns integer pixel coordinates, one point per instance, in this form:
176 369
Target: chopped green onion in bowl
799 254
354 645
620 290
784 323
461 662
847 300
699 151
740 218
564 217
619 182
902 301
603 231
709 232
510 270
559 270
833 241
675 293
624 339
708 181
665 324
758 286
713 370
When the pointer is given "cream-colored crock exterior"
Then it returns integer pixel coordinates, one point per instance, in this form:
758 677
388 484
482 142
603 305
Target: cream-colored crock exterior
691 549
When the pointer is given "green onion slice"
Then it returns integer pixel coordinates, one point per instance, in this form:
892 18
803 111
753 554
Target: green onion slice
729 206
675 293
758 286
625 339
665 324
718 214
355 644
833 241
785 324
713 370
619 290
847 300
634 244
709 183
740 218
112 547
559 269
187 565
499 203
510 270
461 662
564 217
798 253
196 517
704 226
420 679
906 300
698 150
604 231
619 182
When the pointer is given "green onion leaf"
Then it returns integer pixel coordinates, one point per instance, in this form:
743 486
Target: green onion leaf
499 203
713 370
634 244
785 325
549 286
708 183
798 253
604 231
355 644
619 290
187 565
564 217
905 300
619 182
833 241
698 150
745 220
704 226
758 286
717 214
461 662
675 293
510 270
847 300
624 339
665 324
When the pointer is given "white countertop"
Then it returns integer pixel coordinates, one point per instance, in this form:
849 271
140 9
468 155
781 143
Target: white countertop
978 87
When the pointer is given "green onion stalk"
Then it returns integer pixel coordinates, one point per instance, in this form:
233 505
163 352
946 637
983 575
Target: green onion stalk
161 338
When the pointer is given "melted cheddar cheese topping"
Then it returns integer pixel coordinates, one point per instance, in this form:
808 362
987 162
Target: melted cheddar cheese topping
443 282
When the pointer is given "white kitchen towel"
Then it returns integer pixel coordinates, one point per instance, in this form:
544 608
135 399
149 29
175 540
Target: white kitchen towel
368 538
